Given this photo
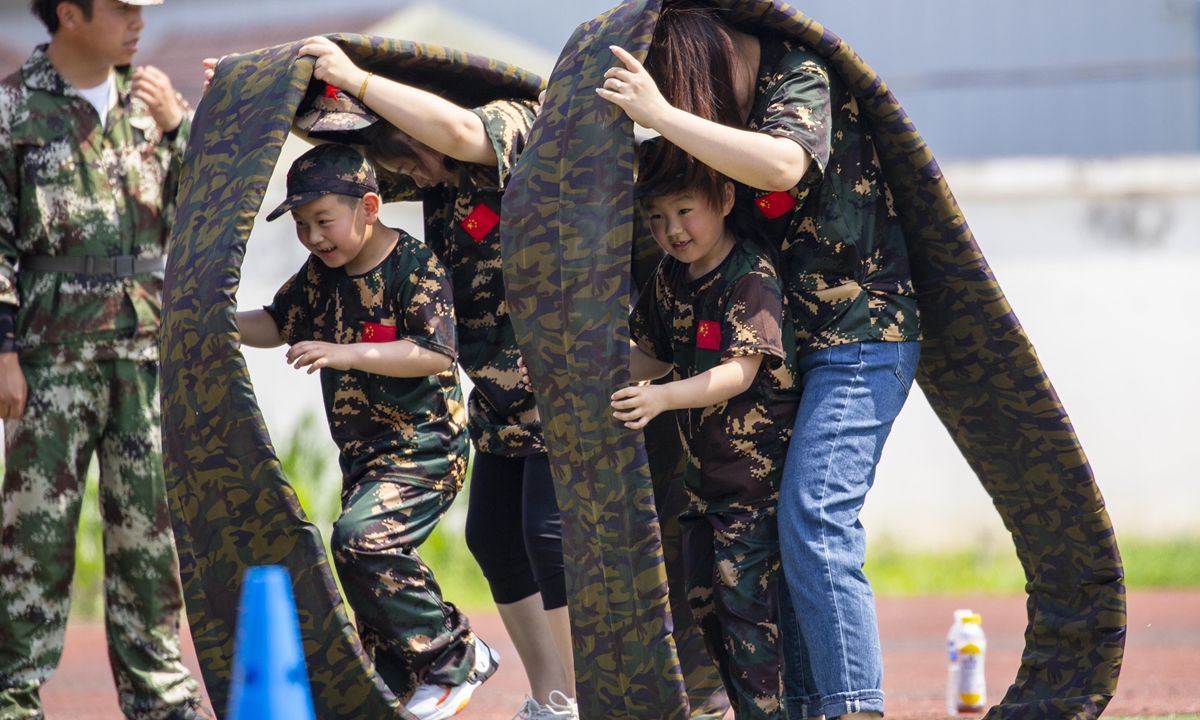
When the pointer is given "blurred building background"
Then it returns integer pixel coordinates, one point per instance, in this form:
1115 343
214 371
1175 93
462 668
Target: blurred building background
1070 132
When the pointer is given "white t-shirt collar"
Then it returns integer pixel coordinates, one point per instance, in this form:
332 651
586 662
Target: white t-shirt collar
103 97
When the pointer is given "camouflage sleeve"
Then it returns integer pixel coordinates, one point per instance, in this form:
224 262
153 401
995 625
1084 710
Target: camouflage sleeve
9 192
289 310
753 322
176 144
799 107
427 305
507 123
649 325
177 141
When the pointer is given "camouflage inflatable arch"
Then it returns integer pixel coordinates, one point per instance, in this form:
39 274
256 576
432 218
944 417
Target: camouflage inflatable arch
570 240
231 506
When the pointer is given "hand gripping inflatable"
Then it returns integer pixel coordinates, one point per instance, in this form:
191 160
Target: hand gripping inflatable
569 240
231 506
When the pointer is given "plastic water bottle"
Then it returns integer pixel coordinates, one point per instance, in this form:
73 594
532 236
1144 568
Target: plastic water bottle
952 661
972 648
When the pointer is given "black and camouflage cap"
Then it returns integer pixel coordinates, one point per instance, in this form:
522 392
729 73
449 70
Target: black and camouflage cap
327 113
326 169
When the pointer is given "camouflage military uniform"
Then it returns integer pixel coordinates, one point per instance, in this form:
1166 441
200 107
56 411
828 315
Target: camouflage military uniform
462 225
845 262
737 448
403 455
87 345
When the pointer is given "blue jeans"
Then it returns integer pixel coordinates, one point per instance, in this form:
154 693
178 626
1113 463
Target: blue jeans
852 394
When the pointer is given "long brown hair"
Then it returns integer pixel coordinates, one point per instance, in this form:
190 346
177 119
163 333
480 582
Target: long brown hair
691 59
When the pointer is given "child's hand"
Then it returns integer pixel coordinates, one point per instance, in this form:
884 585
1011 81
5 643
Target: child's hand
316 355
632 88
637 405
332 65
524 373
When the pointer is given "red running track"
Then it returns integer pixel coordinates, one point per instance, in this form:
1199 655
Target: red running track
1161 674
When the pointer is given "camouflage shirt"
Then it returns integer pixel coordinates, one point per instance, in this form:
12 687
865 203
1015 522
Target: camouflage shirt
406 429
71 187
462 225
737 448
845 260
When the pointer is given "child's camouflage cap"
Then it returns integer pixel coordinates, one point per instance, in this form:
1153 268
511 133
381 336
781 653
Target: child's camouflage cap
323 170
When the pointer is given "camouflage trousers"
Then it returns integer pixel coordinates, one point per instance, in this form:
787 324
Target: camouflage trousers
75 409
733 568
413 635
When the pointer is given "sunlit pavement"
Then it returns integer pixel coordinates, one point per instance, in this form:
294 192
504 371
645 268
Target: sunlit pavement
1161 673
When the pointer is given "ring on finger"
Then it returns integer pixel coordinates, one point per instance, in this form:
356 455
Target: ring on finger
616 85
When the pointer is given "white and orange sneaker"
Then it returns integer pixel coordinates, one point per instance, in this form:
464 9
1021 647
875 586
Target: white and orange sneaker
438 702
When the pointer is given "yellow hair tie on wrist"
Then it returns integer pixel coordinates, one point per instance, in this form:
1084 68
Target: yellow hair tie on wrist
363 90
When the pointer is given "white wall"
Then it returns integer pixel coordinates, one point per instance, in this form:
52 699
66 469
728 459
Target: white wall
1097 259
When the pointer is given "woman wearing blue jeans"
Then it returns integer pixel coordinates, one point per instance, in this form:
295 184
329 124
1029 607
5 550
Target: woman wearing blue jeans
773 116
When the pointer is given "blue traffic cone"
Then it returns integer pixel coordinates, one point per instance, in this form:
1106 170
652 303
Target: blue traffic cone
270 679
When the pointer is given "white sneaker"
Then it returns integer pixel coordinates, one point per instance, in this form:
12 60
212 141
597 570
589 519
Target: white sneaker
560 707
438 702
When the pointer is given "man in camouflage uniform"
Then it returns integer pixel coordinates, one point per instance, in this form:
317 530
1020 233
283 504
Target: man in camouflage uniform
87 184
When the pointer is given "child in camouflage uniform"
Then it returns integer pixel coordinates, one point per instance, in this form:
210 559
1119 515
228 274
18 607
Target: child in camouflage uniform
714 313
89 160
457 162
372 310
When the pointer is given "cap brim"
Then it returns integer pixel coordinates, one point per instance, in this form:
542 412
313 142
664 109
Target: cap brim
293 202
142 2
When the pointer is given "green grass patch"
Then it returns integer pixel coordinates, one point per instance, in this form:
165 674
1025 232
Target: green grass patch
897 572
1149 564
309 460
1171 563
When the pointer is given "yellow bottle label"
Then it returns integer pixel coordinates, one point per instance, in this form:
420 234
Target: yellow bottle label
970 649
970 699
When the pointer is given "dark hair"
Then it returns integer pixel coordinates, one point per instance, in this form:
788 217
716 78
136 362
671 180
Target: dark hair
662 173
47 11
664 169
387 143
691 60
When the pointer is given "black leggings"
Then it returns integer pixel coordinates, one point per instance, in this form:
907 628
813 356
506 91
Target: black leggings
513 529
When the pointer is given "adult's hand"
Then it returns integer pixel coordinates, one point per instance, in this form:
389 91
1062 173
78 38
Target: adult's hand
210 70
13 389
332 65
153 87
632 88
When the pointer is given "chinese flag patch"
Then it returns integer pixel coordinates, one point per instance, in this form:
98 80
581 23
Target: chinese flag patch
376 333
776 204
480 222
708 335
331 92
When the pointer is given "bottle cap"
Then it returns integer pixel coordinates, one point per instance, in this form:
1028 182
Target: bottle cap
974 619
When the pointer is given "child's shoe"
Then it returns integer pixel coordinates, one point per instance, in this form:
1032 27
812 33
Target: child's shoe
438 702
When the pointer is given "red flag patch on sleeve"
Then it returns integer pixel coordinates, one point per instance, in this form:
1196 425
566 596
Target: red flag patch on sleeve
708 335
776 204
480 222
376 333
331 92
